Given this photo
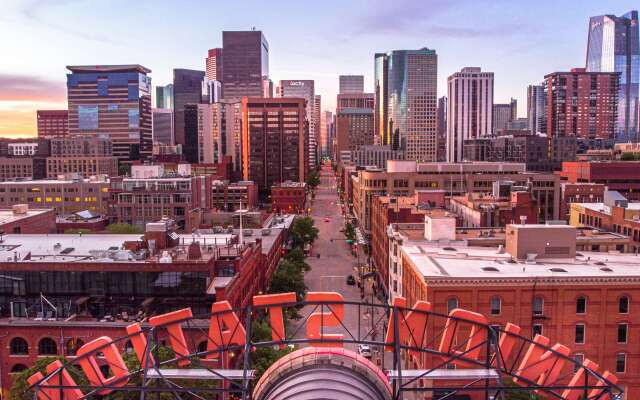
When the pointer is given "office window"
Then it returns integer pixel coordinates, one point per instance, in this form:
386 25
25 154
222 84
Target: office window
581 305
538 305
452 304
579 359
537 330
622 333
623 305
496 305
621 362
579 334
134 118
87 117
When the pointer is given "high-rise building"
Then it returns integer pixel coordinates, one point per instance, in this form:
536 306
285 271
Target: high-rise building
406 80
351 84
326 121
441 128
191 124
219 132
614 46
164 96
274 149
187 89
582 104
536 110
163 126
303 89
52 123
112 100
245 64
501 117
381 83
317 107
213 70
354 121
470 109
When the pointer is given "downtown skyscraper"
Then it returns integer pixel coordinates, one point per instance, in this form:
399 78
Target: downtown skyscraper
470 109
613 46
406 101
245 64
304 89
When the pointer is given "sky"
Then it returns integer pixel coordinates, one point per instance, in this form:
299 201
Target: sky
520 41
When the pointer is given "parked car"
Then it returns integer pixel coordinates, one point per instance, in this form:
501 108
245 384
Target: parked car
351 280
364 350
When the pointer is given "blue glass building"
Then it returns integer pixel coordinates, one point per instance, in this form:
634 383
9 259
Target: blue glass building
613 46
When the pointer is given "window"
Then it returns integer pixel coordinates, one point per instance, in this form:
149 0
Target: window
19 346
134 118
537 330
623 305
621 362
48 347
579 334
496 305
452 304
579 359
538 305
18 368
622 333
581 305
87 117
73 345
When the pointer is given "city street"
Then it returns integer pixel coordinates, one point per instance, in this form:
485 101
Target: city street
329 272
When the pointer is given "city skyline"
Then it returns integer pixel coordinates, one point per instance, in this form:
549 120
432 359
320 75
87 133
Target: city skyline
519 38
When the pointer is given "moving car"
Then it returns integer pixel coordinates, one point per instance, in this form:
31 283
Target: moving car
351 280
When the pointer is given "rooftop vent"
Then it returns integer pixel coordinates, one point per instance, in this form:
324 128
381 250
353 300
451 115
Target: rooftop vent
556 269
490 269
599 263
449 249
606 269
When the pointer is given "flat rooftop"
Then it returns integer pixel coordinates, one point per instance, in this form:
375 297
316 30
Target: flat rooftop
601 207
7 216
109 68
455 260
97 248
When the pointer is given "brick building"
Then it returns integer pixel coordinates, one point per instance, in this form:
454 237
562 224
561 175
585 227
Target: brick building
621 176
289 197
19 219
477 210
52 123
585 299
582 104
402 178
579 192
66 196
233 196
140 200
387 210
81 155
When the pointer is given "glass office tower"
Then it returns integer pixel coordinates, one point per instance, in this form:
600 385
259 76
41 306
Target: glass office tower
613 47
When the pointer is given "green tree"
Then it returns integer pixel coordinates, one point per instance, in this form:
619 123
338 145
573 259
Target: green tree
20 385
303 231
289 277
349 231
628 157
313 179
78 231
296 256
123 228
263 357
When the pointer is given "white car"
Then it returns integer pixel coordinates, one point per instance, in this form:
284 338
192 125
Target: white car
364 350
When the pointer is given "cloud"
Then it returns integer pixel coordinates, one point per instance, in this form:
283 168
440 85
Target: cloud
30 88
406 17
35 12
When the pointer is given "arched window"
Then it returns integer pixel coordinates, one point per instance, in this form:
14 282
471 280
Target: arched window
538 305
581 305
47 347
73 345
452 304
496 305
623 305
19 346
18 368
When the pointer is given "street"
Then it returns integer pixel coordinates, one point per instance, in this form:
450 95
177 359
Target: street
329 272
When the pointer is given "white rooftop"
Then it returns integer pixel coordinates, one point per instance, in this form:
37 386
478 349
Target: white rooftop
601 207
458 261
8 216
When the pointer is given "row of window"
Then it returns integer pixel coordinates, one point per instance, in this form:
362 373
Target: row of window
538 305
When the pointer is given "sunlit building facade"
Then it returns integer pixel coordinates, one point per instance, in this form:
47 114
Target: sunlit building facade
613 46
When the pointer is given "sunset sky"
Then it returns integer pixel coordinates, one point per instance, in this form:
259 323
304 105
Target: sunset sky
520 41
